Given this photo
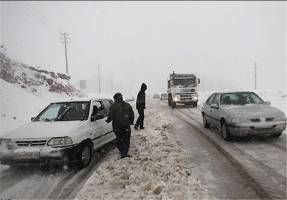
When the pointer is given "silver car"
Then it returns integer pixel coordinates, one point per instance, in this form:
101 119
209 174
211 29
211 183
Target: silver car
241 114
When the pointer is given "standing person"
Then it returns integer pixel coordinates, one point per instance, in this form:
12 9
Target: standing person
140 105
122 116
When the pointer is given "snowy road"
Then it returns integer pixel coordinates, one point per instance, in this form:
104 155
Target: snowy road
34 182
248 168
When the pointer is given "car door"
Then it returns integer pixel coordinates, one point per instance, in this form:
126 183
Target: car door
100 126
214 110
207 109
109 129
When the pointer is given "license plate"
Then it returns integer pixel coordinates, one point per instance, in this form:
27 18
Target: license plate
26 153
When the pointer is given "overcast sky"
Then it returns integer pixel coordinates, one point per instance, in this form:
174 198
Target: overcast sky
137 42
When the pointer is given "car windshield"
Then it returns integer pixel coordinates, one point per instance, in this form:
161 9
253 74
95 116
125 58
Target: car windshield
65 111
240 98
184 82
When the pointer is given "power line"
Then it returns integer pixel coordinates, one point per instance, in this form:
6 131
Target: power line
65 39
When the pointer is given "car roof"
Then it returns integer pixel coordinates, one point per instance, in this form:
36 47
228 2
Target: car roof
234 91
77 99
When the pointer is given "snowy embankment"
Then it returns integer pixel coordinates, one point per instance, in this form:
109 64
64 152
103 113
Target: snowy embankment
26 90
158 168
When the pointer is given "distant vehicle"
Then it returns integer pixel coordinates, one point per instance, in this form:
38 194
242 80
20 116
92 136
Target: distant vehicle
163 96
182 88
63 132
242 113
129 99
156 96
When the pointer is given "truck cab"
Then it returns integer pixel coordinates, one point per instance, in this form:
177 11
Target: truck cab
182 89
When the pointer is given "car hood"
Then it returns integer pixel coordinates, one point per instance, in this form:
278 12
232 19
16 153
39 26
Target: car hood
254 111
39 129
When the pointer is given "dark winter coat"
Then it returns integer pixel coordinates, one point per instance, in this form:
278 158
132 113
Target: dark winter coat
141 97
121 114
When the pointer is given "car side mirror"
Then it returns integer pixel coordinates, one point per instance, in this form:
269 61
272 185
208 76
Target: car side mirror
267 103
32 118
215 106
94 113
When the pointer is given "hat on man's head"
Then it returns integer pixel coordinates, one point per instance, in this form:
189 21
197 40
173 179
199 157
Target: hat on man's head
118 97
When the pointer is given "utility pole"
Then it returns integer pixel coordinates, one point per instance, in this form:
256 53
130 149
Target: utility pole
65 39
255 76
99 77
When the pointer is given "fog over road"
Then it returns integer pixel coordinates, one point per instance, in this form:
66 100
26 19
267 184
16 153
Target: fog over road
247 168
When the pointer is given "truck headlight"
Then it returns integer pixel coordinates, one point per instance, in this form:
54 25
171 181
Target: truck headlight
176 98
195 98
60 141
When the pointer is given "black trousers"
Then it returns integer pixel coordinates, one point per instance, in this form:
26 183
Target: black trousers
140 120
123 136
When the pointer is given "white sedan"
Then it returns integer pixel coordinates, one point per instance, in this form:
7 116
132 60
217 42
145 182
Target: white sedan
67 131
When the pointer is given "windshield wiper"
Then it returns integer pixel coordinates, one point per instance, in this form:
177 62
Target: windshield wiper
46 120
62 115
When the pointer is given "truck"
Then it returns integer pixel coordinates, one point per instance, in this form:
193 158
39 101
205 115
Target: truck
182 89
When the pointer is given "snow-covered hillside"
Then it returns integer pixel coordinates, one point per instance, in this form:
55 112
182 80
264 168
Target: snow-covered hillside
26 90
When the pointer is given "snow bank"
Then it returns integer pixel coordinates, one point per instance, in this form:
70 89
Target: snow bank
158 168
25 91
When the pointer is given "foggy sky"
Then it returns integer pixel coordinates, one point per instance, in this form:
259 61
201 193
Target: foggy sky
137 42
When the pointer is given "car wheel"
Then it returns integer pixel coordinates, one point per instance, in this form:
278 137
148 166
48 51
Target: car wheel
205 122
225 132
277 134
195 104
85 155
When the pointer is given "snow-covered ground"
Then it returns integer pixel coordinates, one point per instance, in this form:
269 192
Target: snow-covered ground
158 168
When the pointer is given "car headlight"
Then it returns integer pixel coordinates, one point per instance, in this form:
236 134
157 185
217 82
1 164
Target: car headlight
234 120
60 141
6 143
195 98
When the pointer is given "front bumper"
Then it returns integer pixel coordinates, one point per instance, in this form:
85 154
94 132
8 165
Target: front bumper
39 154
256 128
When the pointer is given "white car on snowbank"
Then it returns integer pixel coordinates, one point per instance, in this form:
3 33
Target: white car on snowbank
63 132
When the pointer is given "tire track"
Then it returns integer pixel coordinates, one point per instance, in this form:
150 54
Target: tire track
264 191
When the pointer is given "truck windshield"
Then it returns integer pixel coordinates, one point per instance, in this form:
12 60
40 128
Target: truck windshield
65 111
240 98
184 82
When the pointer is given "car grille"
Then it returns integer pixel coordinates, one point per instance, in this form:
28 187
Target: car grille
26 143
269 119
255 120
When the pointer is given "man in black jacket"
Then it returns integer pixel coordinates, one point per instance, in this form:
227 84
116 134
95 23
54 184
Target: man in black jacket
140 105
122 116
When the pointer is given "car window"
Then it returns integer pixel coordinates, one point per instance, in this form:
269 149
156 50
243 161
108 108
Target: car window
240 98
209 100
65 111
101 107
215 100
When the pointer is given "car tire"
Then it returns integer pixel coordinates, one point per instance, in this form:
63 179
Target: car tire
277 134
225 132
85 155
205 122
195 104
